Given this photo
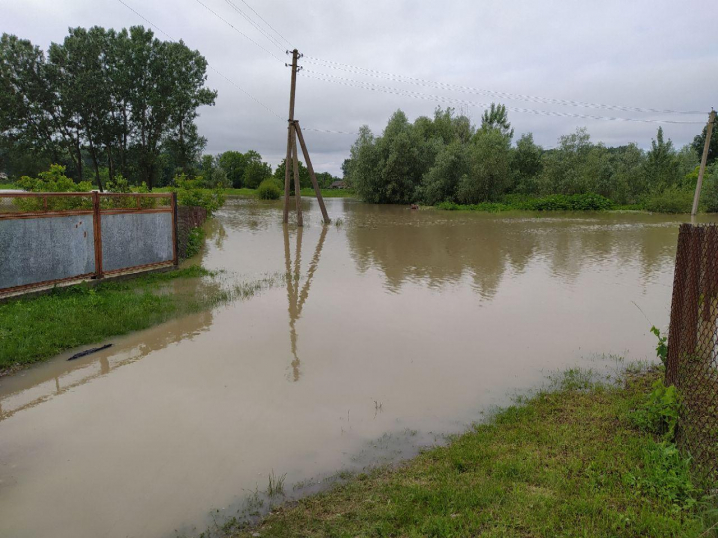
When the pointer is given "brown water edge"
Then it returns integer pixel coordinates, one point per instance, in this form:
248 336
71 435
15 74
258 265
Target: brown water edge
435 316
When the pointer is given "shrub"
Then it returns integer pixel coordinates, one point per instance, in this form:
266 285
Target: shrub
709 194
554 202
574 202
54 180
268 190
670 200
659 414
190 192
194 241
662 346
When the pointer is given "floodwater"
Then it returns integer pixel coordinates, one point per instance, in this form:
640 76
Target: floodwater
400 326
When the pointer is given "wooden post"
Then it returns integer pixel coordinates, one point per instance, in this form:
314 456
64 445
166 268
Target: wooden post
297 185
287 160
310 168
699 184
290 133
97 232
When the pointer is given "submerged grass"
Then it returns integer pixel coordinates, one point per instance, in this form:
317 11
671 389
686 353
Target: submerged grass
37 328
565 463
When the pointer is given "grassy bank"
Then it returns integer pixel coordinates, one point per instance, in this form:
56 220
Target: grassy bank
571 462
669 202
7 186
36 328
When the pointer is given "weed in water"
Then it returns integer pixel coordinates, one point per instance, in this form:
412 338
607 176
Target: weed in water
276 484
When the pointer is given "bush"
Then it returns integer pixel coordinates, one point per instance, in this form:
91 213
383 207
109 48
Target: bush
194 241
269 190
554 202
54 180
190 192
670 200
709 194
659 414
562 202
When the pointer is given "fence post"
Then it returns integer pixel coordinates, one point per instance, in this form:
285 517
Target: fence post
97 229
174 229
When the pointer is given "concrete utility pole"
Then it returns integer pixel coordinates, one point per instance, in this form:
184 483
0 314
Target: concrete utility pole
294 132
699 184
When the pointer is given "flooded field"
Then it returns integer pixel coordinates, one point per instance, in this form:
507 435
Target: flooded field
394 328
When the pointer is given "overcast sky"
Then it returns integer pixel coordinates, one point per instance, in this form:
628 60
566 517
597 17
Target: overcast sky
649 54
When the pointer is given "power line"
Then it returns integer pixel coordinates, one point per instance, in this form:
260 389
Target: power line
245 92
269 25
208 64
271 39
238 30
504 95
416 95
330 131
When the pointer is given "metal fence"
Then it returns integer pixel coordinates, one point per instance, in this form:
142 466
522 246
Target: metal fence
692 364
51 238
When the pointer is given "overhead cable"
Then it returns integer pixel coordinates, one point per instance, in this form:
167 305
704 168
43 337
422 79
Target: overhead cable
503 95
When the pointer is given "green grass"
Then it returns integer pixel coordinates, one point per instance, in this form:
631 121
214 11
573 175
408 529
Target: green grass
7 186
560 464
330 193
36 328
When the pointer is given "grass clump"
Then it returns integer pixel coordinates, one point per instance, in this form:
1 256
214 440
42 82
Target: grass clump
36 328
565 463
268 190
195 240
276 485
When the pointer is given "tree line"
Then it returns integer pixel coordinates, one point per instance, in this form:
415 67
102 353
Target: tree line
123 101
115 107
447 159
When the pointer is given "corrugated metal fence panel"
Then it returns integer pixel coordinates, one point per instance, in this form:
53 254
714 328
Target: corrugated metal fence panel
36 250
136 239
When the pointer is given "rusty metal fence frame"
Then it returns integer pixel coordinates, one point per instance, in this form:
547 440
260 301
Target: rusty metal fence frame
692 364
97 211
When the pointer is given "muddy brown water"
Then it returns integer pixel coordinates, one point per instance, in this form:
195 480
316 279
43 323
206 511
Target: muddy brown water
401 327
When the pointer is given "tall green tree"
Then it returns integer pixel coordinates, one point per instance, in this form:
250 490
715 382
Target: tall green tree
234 164
662 167
526 165
699 143
304 179
256 170
489 174
117 99
496 117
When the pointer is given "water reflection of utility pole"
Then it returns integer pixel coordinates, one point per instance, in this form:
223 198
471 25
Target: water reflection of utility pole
295 297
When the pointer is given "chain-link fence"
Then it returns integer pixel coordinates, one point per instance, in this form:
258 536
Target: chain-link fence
693 344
